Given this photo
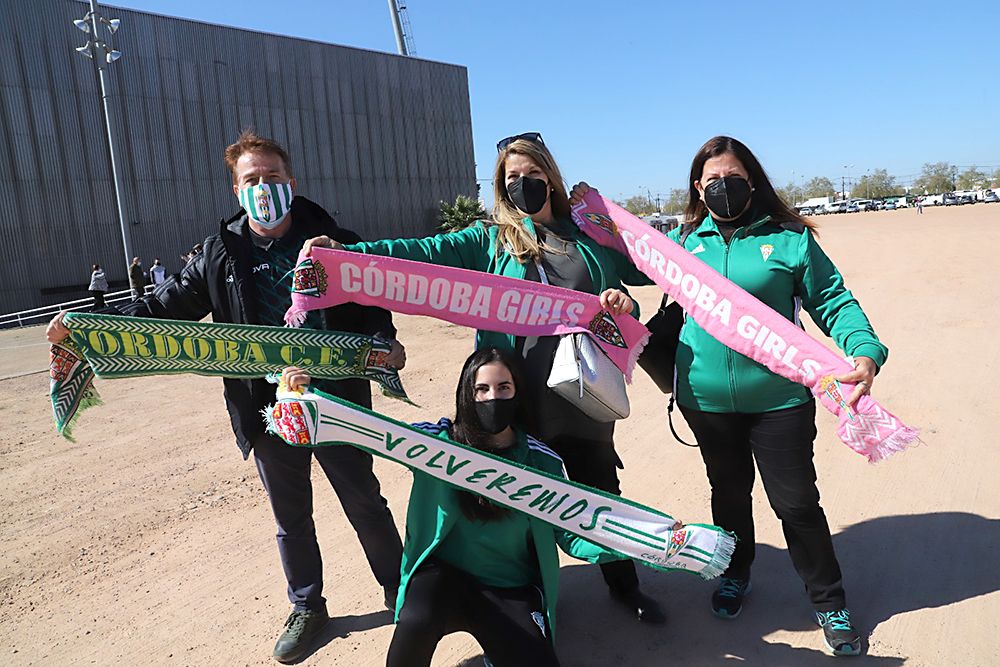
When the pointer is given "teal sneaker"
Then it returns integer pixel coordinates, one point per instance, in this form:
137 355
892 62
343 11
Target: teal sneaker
727 600
301 628
839 634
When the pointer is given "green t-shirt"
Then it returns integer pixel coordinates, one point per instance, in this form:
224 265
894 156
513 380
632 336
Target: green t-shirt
498 553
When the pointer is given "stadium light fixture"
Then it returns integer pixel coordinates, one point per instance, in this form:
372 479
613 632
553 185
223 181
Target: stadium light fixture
89 24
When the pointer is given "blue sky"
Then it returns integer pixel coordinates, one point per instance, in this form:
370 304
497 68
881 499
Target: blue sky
624 92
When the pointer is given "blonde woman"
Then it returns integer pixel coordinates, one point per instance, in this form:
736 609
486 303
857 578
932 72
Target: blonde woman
530 235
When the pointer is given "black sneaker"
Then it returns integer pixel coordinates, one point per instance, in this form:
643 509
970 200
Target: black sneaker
839 634
301 628
646 609
727 600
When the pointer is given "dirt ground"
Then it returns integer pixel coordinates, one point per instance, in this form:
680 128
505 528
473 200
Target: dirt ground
150 541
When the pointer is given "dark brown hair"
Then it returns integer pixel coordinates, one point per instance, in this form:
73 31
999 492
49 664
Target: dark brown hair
765 200
466 429
250 142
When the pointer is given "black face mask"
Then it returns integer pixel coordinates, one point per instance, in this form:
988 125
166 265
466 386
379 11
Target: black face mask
496 414
528 194
727 197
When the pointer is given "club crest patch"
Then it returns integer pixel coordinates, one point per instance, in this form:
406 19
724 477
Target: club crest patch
377 359
602 221
765 250
294 421
310 278
604 327
61 362
263 203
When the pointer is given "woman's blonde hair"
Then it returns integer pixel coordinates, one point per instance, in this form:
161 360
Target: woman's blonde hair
512 235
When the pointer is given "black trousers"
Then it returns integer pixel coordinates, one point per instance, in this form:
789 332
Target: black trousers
98 298
507 622
285 472
782 444
595 463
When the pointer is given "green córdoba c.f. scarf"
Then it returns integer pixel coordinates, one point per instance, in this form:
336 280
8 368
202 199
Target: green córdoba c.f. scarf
111 346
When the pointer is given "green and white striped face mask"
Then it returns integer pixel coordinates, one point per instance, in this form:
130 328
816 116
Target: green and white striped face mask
267 204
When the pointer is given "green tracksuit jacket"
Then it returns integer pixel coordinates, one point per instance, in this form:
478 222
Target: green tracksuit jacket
434 509
782 265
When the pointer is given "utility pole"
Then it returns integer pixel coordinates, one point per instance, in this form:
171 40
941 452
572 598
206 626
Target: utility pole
98 51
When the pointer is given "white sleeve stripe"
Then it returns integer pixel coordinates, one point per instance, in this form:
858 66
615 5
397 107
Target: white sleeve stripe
538 444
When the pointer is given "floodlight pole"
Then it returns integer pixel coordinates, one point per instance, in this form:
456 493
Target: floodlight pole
100 57
397 28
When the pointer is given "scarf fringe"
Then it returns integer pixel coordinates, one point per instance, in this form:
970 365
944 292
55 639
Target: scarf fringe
89 399
720 558
901 439
295 317
633 355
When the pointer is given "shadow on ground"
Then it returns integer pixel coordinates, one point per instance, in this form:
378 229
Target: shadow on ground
892 565
340 627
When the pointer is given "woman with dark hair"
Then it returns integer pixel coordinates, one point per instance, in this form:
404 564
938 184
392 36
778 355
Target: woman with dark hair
530 235
741 412
469 565
98 286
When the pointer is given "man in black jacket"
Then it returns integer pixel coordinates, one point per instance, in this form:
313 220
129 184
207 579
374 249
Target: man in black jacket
240 276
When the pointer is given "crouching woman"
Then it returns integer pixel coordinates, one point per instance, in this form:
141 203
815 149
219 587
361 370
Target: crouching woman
470 565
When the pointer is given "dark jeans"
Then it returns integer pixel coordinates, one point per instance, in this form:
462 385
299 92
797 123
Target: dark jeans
595 463
441 599
782 444
285 472
98 298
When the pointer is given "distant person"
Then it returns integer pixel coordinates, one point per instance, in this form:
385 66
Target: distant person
98 286
136 278
157 273
920 205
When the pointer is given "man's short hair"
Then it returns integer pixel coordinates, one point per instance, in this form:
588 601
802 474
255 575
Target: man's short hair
250 142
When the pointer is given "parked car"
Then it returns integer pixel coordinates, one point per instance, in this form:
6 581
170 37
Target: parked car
871 206
853 208
805 210
890 206
837 207
966 199
950 200
991 197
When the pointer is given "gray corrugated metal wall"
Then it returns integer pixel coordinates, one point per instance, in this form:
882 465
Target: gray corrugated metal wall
378 137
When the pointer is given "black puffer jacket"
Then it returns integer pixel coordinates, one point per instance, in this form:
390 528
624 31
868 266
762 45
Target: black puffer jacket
219 282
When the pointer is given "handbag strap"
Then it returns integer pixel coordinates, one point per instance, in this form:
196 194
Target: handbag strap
574 341
542 276
670 421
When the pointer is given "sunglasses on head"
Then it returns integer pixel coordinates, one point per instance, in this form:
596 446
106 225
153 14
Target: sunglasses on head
534 137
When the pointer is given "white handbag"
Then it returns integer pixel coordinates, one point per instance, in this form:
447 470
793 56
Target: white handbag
585 376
